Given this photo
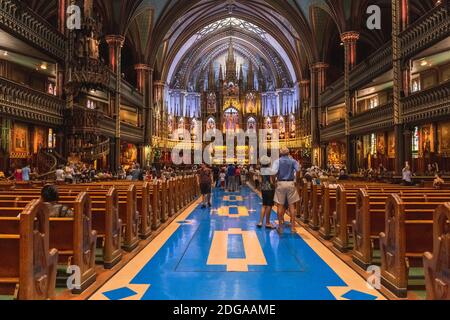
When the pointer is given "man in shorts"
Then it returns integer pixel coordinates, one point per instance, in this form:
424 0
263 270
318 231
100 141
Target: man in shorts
286 169
205 182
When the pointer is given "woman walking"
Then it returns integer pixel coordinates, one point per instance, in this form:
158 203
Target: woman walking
267 191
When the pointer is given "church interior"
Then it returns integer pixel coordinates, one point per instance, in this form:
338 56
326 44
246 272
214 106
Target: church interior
96 96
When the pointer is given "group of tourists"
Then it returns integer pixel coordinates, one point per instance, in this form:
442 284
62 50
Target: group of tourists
277 186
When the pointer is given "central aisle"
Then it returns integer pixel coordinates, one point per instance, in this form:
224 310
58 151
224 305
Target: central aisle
220 254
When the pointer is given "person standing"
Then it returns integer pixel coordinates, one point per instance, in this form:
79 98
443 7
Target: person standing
286 169
205 182
267 192
407 175
26 173
231 171
237 179
216 172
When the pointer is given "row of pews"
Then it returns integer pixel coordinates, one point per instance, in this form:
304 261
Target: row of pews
110 218
407 227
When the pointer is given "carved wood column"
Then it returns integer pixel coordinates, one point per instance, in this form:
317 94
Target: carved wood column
349 39
400 20
115 43
305 94
318 83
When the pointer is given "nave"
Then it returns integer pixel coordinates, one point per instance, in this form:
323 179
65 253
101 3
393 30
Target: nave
220 254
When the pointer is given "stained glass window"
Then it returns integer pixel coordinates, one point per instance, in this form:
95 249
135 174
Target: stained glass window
231 22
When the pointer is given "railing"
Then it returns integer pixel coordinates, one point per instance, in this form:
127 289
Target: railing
375 65
131 94
372 120
333 131
429 29
427 104
19 19
131 132
96 152
20 101
333 92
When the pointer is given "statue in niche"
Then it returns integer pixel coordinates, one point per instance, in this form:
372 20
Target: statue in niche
211 103
292 126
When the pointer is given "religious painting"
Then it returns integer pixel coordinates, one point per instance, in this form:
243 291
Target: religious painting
211 103
391 144
231 120
336 153
444 138
128 154
20 139
39 139
427 142
381 144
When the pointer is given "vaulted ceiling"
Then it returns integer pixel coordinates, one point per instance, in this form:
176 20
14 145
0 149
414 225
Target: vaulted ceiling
307 31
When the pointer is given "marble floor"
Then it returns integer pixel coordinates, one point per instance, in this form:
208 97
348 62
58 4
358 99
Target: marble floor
220 254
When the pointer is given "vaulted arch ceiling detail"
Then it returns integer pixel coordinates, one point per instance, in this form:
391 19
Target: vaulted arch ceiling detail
252 41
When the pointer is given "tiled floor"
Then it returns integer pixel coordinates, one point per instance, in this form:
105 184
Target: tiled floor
219 253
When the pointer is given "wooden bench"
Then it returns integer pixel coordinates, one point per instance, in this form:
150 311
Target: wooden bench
105 219
408 234
74 239
346 203
437 264
28 266
369 220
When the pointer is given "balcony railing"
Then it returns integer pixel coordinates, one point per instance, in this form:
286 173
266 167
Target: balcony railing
333 92
429 29
335 130
131 132
433 27
20 101
375 65
372 120
432 103
131 94
25 23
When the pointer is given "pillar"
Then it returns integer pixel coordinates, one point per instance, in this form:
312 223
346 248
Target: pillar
349 40
400 20
318 82
115 43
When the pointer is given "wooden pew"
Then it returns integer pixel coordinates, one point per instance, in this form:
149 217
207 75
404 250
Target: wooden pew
408 234
437 264
105 219
74 239
369 219
28 265
326 210
314 206
128 212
